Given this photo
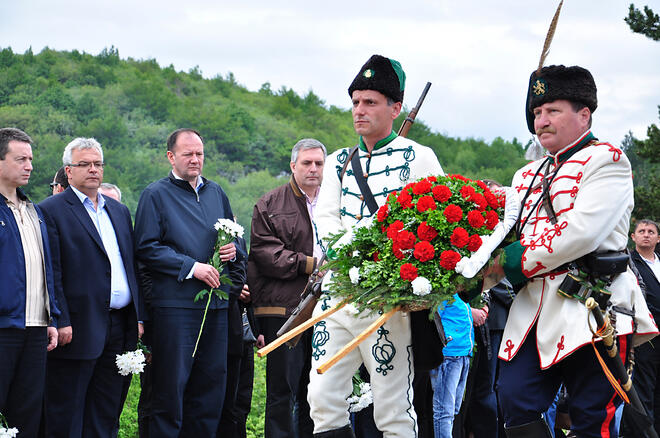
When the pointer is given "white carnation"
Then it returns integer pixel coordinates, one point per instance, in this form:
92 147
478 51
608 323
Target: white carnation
8 432
229 227
421 286
131 362
357 403
354 274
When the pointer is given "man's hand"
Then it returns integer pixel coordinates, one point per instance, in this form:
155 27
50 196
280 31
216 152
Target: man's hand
208 274
52 338
227 252
64 335
479 315
245 294
140 330
261 343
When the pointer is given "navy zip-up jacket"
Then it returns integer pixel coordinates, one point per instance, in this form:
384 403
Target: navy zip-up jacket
12 263
173 230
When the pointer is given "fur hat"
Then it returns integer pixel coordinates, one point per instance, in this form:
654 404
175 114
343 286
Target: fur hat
381 74
557 82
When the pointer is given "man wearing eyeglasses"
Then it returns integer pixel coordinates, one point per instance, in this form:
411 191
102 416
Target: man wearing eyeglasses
91 239
60 181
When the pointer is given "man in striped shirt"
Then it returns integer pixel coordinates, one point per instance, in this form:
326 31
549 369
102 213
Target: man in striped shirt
27 304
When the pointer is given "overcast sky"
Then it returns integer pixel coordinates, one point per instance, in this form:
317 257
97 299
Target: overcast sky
477 54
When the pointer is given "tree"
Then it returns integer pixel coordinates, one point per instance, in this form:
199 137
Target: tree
647 190
647 24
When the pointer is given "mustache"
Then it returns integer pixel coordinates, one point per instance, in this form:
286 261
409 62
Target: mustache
548 130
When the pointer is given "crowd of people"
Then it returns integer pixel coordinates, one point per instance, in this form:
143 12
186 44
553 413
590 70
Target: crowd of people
81 283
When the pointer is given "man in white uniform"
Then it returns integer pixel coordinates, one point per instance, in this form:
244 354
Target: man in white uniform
576 201
388 162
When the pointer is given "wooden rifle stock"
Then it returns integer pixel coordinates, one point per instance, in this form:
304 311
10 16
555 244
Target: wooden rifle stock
410 119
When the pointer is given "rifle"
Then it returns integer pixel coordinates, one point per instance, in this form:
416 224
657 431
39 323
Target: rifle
410 119
303 311
310 295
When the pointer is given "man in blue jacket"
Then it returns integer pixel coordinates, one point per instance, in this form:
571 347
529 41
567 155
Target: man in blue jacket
27 304
175 239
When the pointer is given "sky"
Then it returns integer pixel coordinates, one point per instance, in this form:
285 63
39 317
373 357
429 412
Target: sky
477 54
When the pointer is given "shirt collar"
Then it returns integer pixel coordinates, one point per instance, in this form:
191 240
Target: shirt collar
100 201
199 183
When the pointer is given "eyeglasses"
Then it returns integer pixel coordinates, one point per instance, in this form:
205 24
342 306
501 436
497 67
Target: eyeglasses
53 185
87 164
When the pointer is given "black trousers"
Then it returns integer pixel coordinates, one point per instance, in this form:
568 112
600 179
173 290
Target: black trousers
646 382
22 377
525 391
238 397
84 397
287 378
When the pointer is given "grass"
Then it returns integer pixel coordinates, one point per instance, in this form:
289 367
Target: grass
255 422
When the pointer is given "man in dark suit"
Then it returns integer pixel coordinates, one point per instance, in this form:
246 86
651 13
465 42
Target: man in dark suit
91 238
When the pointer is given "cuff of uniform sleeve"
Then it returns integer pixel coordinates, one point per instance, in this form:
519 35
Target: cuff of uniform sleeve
513 262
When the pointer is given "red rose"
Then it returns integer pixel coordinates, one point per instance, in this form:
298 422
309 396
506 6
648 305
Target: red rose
482 185
408 186
491 199
405 199
424 251
453 213
479 200
382 213
459 177
405 239
424 186
491 219
391 195
396 250
459 238
475 219
425 203
441 193
432 179
474 243
467 191
394 229
448 259
426 232
408 272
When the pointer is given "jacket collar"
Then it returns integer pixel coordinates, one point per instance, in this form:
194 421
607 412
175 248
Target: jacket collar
20 193
574 147
296 189
185 184
379 143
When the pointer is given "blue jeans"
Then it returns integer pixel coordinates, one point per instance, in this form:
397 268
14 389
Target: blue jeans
448 381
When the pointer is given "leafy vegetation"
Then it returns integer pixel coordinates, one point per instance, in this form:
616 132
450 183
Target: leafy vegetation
131 106
645 154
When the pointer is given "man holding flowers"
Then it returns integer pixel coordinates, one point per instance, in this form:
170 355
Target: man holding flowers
388 162
176 240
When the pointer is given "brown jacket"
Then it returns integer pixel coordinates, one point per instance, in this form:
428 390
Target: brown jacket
281 250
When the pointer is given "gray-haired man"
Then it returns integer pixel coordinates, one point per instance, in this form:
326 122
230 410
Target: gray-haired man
283 252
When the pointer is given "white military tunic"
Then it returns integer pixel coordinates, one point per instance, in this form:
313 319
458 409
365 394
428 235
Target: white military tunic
387 353
592 197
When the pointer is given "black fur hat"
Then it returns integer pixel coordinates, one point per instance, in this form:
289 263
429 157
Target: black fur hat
559 82
381 74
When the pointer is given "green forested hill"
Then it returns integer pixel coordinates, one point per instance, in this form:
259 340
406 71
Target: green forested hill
130 106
